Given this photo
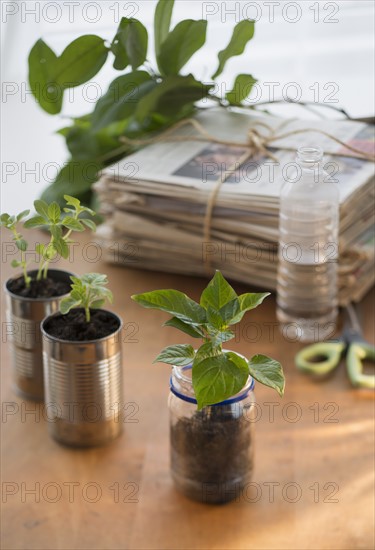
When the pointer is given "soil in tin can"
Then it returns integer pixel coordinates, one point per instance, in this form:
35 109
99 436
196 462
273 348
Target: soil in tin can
211 454
73 325
45 288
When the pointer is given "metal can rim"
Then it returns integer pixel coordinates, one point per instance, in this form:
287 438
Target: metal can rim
81 342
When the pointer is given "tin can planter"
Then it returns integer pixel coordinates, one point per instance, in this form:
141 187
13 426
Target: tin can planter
83 382
211 449
24 315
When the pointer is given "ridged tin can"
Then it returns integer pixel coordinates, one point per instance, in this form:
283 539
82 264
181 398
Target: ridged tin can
83 388
24 316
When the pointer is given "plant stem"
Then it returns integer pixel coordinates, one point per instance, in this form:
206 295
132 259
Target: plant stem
24 269
87 313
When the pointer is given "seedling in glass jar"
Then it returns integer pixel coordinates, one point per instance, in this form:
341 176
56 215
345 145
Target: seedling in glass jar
88 292
217 374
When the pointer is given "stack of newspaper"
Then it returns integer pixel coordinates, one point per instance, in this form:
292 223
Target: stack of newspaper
155 200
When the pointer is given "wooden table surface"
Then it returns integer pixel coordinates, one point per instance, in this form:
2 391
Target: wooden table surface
313 485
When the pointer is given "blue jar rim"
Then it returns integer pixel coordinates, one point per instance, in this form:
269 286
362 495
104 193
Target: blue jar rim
234 399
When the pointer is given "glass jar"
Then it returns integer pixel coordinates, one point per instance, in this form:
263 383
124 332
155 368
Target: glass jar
211 449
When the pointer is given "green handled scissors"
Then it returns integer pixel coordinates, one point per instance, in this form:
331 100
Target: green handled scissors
322 358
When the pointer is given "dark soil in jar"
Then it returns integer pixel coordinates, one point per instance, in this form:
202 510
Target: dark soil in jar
211 454
45 288
73 325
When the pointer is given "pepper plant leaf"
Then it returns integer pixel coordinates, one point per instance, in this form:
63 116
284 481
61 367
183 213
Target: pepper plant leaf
184 327
217 293
217 378
180 355
174 302
267 371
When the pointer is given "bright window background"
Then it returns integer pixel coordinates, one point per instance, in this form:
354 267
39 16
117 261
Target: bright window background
326 48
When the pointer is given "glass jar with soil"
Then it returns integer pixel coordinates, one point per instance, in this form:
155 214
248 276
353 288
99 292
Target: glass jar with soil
212 448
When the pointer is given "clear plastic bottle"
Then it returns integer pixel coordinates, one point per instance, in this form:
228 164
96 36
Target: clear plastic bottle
308 250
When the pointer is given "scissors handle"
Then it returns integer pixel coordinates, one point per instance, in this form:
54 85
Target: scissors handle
357 352
320 358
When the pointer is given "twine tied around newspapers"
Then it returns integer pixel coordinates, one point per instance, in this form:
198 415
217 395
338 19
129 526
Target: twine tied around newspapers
257 144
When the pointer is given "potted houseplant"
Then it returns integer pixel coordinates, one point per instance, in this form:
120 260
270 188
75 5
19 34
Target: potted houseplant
211 399
37 292
83 365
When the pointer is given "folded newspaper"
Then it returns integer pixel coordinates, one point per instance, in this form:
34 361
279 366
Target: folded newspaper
155 200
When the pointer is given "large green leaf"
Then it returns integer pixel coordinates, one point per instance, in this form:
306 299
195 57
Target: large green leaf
171 95
183 327
179 355
130 44
162 22
81 60
217 293
241 89
186 38
174 302
249 301
42 66
267 371
122 98
217 378
243 32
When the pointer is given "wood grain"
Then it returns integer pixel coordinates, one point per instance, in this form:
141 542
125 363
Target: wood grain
318 446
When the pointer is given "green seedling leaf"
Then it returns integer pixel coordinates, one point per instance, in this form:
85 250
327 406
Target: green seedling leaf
67 304
21 244
72 201
97 304
130 44
241 89
40 249
180 45
267 371
162 22
41 207
243 32
4 218
174 302
15 263
89 223
61 248
73 224
36 221
184 327
54 212
88 292
56 232
180 355
22 214
217 378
